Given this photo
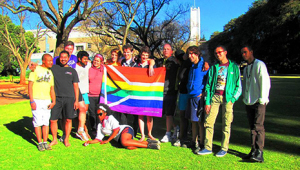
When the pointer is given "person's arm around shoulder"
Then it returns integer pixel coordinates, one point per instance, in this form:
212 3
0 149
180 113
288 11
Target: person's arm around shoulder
205 66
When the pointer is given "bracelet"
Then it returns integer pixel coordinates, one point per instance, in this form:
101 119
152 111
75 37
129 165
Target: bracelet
32 102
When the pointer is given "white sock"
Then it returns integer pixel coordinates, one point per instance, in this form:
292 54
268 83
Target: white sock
81 129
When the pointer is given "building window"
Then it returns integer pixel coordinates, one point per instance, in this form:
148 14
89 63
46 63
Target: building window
79 48
89 45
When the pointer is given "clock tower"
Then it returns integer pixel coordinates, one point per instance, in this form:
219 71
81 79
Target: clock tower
195 25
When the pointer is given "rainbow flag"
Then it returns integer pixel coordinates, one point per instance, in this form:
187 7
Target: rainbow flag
130 90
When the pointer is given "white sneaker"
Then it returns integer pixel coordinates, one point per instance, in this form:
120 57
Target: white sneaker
82 136
166 138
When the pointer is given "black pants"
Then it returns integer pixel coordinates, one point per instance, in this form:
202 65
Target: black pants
93 119
256 117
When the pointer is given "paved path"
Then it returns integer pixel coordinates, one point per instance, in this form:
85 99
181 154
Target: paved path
12 92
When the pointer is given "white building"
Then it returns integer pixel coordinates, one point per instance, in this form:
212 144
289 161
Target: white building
195 25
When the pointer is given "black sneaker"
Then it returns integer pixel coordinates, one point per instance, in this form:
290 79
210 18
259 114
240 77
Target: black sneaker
185 144
197 149
152 141
153 146
41 147
193 145
62 138
258 156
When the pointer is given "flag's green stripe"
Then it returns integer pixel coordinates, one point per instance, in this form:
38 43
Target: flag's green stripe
124 93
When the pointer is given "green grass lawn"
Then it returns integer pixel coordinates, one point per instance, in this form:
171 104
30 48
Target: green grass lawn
282 147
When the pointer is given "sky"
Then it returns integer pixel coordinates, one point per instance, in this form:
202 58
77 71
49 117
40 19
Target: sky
215 14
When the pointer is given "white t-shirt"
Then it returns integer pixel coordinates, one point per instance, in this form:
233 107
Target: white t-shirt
83 75
107 126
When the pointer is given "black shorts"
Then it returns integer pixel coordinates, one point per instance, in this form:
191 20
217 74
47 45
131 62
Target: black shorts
64 108
169 104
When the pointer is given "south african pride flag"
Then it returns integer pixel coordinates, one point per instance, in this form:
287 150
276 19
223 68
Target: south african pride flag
130 90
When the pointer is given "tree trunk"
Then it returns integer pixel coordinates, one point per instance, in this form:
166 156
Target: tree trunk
59 45
23 74
61 38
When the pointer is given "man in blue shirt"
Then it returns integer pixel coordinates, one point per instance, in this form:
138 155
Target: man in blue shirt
68 46
195 86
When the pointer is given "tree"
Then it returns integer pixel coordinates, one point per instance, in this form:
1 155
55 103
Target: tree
55 17
214 34
272 28
137 23
203 38
20 44
113 22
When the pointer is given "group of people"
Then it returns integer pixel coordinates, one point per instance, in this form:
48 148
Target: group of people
67 87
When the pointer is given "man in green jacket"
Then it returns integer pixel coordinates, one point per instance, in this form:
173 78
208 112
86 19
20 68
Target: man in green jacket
223 88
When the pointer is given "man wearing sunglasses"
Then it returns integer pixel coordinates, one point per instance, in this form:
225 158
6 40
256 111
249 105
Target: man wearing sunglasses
223 88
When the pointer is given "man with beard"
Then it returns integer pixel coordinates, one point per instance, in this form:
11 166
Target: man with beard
67 93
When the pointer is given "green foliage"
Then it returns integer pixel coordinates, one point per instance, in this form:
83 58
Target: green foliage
18 141
6 56
214 34
272 28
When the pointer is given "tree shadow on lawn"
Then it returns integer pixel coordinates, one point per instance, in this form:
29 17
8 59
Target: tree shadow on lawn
282 117
243 138
23 128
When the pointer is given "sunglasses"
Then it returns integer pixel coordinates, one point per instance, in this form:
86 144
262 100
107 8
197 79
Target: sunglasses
99 114
218 52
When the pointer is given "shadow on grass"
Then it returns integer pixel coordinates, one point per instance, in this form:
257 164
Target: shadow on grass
18 94
116 144
23 128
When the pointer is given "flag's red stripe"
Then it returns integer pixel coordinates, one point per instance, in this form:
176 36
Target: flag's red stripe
138 74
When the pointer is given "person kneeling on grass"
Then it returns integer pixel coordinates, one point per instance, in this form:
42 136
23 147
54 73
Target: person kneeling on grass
122 133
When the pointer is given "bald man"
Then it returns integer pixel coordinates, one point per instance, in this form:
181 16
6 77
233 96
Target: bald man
41 93
170 91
